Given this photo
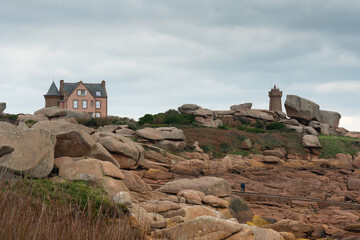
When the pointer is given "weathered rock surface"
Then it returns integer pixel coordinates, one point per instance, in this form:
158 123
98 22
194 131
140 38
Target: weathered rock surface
112 186
311 141
160 206
203 227
56 127
208 185
7 126
330 118
108 128
150 133
171 133
28 152
354 184
241 106
125 151
122 198
125 132
257 114
215 201
2 107
109 169
73 144
99 152
135 183
52 112
300 229
191 196
84 169
301 108
35 117
158 174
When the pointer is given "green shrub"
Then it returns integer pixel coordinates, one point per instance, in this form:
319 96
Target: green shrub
225 127
251 129
13 117
30 122
225 147
147 118
169 117
276 126
259 124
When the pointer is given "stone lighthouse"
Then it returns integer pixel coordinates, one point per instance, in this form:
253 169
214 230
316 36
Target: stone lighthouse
275 99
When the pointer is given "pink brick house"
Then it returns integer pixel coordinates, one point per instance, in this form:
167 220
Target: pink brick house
79 96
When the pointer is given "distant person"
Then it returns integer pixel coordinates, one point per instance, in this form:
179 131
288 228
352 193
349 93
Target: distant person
242 186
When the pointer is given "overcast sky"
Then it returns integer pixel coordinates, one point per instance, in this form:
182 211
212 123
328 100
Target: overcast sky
156 55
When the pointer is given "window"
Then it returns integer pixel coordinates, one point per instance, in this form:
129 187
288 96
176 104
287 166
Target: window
81 92
92 103
98 114
98 104
93 115
84 104
98 93
75 104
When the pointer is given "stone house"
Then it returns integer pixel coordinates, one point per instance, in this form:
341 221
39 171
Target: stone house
82 97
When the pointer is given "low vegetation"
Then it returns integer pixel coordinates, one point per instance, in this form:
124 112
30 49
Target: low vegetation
170 117
46 209
11 118
331 145
227 140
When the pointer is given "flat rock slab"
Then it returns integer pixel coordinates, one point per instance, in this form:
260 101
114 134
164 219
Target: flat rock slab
208 185
56 127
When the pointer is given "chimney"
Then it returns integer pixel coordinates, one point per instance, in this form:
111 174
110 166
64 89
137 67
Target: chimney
61 87
103 83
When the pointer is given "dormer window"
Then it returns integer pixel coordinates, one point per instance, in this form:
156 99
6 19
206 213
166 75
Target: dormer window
81 92
98 93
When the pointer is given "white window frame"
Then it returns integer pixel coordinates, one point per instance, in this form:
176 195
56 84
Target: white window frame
98 93
81 92
98 114
98 104
84 104
75 104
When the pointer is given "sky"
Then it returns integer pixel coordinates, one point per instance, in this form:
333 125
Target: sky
156 55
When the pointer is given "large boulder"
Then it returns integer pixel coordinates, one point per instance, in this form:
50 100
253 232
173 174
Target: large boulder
99 152
172 133
203 227
330 118
73 144
56 127
125 151
257 114
354 184
150 134
2 107
33 153
208 185
51 112
195 110
241 106
301 109
84 169
311 141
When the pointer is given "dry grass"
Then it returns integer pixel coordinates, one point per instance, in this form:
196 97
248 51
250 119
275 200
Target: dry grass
23 216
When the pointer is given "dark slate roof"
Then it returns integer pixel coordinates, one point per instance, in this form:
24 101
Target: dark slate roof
92 87
53 91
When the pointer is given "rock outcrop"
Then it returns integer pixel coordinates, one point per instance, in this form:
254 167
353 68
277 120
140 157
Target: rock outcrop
208 185
330 118
29 152
302 109
241 106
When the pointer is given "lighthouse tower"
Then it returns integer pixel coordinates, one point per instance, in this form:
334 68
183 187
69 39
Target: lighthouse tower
275 99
